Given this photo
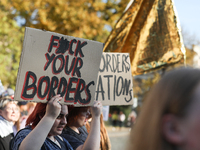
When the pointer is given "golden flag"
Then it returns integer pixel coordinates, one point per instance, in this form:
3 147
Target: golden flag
149 30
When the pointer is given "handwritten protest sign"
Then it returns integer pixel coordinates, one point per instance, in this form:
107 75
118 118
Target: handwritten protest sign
114 83
53 63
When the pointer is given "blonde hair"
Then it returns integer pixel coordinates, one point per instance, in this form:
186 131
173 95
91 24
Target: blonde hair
4 101
172 94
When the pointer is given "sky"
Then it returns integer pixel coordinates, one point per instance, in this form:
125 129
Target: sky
189 16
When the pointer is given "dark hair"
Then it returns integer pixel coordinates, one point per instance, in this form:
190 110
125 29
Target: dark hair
74 112
172 94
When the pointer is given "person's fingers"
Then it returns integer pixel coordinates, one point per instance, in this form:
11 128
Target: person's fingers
97 104
54 107
96 109
55 98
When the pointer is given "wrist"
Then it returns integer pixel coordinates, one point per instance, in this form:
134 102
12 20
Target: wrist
96 117
50 117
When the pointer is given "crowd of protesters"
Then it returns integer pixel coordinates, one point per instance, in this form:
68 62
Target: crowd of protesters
169 120
21 123
119 120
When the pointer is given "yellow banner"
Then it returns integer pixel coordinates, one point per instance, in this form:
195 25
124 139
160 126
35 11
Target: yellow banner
149 30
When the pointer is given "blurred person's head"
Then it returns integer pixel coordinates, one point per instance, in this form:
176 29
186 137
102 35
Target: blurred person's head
169 118
30 107
40 110
17 116
23 108
78 116
8 92
8 109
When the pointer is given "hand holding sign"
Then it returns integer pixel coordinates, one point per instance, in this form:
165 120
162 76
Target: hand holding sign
53 107
96 109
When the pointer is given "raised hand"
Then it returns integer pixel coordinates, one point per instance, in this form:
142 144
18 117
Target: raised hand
96 109
53 106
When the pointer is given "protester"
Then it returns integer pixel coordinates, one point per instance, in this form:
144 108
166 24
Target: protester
30 108
131 118
8 110
8 92
114 119
104 141
44 125
169 118
23 108
16 121
75 131
121 119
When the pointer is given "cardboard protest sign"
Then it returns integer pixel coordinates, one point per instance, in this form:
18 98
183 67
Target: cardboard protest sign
114 83
53 63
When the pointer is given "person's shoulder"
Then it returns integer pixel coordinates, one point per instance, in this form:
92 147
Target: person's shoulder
24 131
21 134
67 135
83 128
67 130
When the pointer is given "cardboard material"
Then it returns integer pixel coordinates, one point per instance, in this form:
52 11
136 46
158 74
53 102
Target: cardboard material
53 63
114 83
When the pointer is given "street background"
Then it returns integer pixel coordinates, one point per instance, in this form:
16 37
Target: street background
118 137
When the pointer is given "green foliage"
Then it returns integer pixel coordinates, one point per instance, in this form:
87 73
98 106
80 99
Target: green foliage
10 49
87 19
126 109
83 18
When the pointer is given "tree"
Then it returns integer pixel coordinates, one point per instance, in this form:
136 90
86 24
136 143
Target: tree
87 19
83 18
10 49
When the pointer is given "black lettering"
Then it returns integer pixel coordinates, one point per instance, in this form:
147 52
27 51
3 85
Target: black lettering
70 89
43 79
103 68
128 65
62 60
88 94
63 46
77 68
79 89
27 87
124 57
62 86
53 43
118 63
70 47
108 81
114 63
67 71
117 90
100 88
53 86
108 59
49 60
79 48
126 86
114 87
130 96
